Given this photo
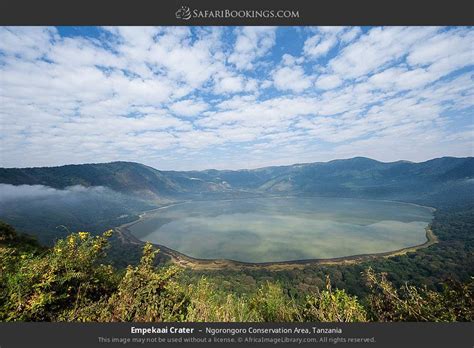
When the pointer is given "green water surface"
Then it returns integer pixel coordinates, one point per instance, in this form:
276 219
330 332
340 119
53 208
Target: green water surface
285 229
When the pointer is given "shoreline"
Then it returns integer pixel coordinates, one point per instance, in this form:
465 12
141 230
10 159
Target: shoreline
186 261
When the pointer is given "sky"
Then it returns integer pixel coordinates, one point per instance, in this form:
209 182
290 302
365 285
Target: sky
183 98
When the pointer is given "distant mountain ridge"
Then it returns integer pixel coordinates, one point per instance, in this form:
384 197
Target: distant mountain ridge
355 177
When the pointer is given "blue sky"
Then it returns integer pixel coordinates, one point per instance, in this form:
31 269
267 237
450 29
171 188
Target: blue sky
234 97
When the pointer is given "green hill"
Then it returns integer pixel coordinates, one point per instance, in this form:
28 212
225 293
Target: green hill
356 177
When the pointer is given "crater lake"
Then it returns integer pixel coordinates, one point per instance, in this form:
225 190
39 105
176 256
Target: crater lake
276 229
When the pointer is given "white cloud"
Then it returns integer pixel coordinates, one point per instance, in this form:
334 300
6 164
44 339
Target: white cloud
196 97
327 38
189 107
29 43
350 34
328 81
377 48
319 45
442 46
229 84
251 43
291 78
236 102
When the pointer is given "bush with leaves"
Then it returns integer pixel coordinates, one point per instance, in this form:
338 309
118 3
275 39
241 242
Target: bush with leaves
146 293
210 305
333 306
410 303
42 287
7 232
271 304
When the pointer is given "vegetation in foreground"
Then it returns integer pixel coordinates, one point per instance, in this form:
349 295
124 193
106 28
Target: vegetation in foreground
71 282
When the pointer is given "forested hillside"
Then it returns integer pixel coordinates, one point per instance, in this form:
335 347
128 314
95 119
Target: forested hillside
356 177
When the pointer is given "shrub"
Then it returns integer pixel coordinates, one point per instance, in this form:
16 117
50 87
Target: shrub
146 294
333 306
41 287
208 304
7 233
409 303
272 305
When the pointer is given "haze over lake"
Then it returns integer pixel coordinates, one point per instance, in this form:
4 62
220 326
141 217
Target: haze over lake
284 229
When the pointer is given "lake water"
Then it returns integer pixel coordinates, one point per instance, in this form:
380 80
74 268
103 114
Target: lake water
284 229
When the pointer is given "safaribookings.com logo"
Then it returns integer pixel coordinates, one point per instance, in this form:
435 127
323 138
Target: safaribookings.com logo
183 13
186 13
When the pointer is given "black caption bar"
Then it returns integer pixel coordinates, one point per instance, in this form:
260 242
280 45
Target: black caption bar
236 334
242 12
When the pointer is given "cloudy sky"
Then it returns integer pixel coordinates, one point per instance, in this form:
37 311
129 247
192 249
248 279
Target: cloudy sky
234 97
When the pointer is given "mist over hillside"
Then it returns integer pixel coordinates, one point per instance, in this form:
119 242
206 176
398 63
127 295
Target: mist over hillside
52 213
